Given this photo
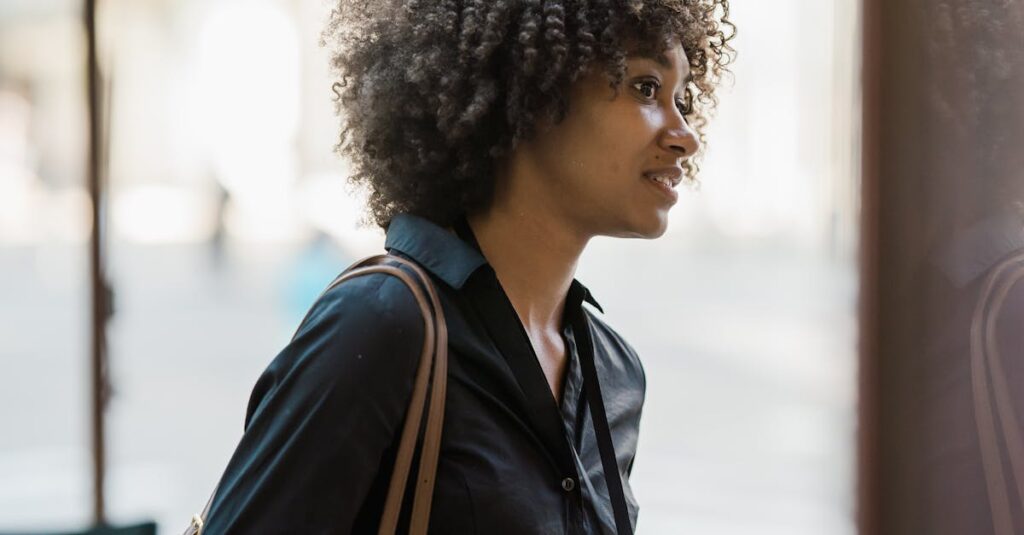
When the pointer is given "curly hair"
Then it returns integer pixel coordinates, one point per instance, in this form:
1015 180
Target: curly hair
432 93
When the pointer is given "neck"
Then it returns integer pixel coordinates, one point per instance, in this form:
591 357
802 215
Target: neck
534 256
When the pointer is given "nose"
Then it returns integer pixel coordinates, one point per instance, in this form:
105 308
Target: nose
679 138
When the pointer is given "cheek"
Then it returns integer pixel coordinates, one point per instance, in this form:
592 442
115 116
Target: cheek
583 151
596 162
621 144
602 144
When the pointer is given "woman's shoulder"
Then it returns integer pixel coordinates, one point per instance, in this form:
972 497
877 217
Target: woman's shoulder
610 334
379 297
356 334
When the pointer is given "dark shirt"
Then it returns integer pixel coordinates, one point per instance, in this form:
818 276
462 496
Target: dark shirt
322 425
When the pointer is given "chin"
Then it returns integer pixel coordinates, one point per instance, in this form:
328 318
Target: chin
649 229
657 232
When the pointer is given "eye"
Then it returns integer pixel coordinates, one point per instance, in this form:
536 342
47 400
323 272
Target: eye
685 104
647 88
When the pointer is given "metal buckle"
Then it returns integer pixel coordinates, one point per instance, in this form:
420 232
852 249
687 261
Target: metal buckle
197 522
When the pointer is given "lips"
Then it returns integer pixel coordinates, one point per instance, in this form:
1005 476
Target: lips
665 180
668 176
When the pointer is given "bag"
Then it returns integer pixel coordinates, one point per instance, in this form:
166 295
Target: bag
434 355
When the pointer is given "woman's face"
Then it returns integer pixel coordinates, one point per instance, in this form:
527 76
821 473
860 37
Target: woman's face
601 161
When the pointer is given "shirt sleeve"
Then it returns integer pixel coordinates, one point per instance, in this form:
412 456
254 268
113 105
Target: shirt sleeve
323 414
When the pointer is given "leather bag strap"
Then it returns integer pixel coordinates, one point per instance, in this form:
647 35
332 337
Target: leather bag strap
436 346
431 373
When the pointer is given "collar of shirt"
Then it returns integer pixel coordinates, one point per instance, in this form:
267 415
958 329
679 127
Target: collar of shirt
449 258
455 258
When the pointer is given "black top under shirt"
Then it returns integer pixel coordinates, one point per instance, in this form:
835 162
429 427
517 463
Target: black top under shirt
324 418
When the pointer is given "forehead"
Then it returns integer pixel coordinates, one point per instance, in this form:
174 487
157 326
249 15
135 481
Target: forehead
671 58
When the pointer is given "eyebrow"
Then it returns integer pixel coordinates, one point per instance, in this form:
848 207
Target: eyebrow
661 59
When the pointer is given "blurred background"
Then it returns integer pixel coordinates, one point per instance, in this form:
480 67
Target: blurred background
228 212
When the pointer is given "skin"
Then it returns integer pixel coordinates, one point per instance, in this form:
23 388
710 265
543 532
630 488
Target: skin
581 178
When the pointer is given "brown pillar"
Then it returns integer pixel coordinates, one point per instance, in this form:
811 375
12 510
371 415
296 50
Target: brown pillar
942 355
99 291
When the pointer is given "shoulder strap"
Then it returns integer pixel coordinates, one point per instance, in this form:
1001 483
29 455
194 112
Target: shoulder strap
435 353
592 390
605 446
437 332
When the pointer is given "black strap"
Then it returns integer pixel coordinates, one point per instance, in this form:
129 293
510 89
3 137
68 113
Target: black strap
592 390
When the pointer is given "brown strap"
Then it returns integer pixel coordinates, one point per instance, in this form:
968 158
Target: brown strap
435 351
432 436
985 360
435 420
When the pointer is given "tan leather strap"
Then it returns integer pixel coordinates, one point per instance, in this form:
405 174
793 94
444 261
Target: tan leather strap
435 351
986 365
438 346
435 421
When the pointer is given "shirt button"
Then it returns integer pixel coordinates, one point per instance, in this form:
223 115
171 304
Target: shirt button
568 484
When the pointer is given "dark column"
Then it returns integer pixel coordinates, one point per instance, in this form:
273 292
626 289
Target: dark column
942 308
99 293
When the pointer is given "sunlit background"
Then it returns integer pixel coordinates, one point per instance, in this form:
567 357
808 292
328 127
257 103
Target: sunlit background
229 213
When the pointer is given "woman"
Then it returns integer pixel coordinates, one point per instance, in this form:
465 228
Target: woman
496 139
